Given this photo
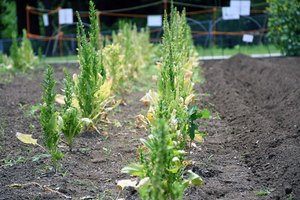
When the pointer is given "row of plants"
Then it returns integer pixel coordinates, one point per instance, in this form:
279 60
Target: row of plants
89 95
171 119
21 57
104 72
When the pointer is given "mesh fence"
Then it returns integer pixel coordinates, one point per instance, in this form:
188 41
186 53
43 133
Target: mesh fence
208 27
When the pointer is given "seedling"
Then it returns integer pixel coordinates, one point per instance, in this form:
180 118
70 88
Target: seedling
160 168
92 89
23 56
50 120
71 117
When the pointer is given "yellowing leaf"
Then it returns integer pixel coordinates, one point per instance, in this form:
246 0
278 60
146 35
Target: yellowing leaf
105 89
198 138
60 99
150 117
140 121
150 98
143 182
189 99
26 138
187 163
126 183
188 74
75 103
75 79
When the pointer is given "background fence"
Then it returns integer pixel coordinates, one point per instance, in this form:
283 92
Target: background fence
209 29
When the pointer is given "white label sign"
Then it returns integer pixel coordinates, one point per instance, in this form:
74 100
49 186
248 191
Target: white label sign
229 13
154 20
46 19
248 38
65 16
237 8
245 8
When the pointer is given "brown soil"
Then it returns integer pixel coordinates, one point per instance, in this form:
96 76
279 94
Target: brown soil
259 101
252 143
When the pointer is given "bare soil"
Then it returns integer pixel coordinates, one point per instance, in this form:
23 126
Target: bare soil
252 150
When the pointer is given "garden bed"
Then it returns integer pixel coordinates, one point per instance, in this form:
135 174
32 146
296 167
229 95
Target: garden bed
251 152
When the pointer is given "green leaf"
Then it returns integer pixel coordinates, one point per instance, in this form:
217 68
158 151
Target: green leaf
174 169
205 114
58 155
134 169
192 129
194 179
86 121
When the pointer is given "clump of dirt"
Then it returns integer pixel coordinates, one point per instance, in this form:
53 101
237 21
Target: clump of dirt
260 100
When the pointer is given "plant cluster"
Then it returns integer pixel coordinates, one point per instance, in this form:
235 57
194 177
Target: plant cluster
161 166
6 62
126 55
175 97
86 96
135 48
171 117
92 88
284 25
23 57
114 61
70 114
50 119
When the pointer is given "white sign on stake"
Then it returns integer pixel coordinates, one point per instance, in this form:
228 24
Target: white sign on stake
65 16
248 38
229 13
46 19
154 20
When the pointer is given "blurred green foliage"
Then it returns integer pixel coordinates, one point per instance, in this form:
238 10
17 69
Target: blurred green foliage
284 25
8 22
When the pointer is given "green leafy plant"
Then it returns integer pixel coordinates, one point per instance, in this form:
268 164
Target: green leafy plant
115 63
161 167
71 117
174 100
135 47
5 62
14 50
50 120
92 89
23 56
284 25
8 18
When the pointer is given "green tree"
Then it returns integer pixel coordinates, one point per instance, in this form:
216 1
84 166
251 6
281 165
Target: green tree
8 22
284 25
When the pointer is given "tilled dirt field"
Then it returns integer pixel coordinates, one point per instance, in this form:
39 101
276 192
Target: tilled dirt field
252 150
259 101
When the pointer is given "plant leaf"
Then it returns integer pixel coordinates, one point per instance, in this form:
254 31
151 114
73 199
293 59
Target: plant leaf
86 121
126 183
198 138
205 114
60 99
134 169
26 138
194 179
143 182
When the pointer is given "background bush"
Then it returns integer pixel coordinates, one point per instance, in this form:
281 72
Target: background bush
284 25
